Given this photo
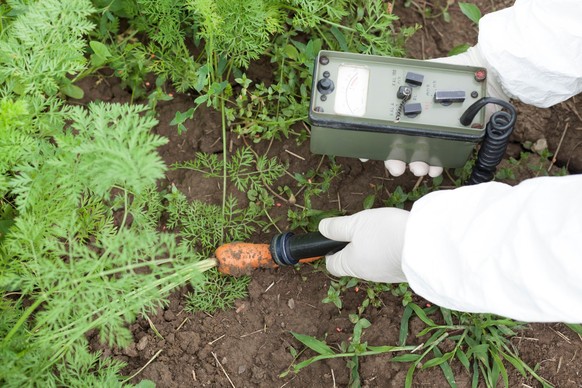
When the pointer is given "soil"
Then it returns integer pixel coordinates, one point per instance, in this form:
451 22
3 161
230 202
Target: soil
249 345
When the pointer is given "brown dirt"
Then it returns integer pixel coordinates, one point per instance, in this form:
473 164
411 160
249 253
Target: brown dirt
249 346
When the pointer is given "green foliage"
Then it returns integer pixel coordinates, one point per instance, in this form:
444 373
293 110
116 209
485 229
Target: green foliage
250 173
204 226
115 147
79 247
480 342
79 268
459 49
180 118
397 198
217 292
66 253
529 164
80 243
238 29
24 68
575 327
351 350
471 11
336 288
314 182
431 10
349 25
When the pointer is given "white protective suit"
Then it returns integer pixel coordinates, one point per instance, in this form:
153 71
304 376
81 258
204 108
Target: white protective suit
512 251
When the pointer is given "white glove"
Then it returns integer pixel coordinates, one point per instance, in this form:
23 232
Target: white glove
418 168
376 241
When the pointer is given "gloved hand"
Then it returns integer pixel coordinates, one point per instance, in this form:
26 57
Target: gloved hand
376 241
472 57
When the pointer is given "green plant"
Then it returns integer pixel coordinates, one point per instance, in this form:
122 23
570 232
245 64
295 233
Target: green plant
250 173
80 249
432 10
471 11
180 118
217 292
71 252
203 226
63 47
480 342
575 327
397 198
336 288
238 29
314 182
373 291
348 25
354 349
529 164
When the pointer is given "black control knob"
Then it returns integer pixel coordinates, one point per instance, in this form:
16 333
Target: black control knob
325 86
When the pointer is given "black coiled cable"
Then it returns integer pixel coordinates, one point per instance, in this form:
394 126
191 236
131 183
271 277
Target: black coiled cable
497 132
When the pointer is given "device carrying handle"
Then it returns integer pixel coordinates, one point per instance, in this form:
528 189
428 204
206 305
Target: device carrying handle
289 249
497 132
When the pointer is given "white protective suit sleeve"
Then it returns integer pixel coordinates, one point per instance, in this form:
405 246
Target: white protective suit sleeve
512 251
535 49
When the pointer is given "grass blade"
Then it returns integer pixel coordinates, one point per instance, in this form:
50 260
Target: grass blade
314 344
406 358
462 357
421 314
576 327
446 367
404 325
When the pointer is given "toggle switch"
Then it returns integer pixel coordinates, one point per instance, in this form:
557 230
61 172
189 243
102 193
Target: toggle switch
414 78
412 109
447 97
404 92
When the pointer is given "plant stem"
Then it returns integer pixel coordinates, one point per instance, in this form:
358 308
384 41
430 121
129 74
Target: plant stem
23 318
224 161
125 210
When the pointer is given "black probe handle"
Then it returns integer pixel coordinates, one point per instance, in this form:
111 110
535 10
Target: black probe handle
288 248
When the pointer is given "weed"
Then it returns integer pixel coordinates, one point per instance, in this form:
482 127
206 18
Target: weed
575 327
180 118
314 182
397 198
354 349
480 342
372 298
267 112
471 11
529 164
336 288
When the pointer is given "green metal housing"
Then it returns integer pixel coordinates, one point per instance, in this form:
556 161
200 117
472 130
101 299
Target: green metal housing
384 108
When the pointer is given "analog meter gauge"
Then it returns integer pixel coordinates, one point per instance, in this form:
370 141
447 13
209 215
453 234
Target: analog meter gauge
352 90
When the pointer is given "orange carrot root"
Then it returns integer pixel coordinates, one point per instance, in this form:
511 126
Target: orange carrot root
240 258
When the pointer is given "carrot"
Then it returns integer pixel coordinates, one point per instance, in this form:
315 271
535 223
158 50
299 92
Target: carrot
239 258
